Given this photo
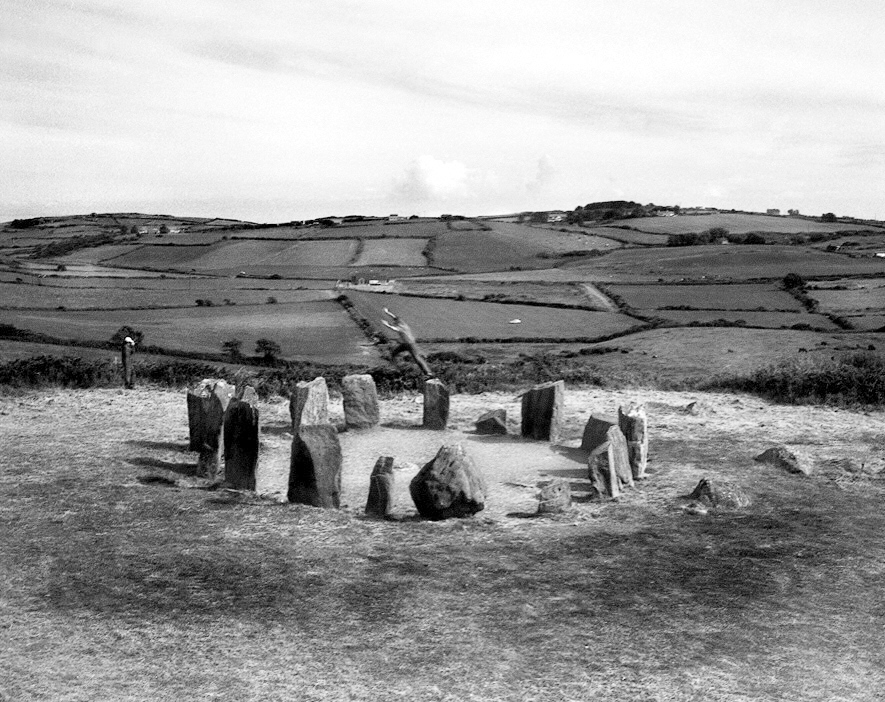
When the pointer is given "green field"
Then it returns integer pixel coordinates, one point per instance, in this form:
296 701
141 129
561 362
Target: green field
392 252
629 236
707 297
737 223
543 293
303 330
772 320
861 295
450 319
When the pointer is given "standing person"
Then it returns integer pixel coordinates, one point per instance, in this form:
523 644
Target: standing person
126 351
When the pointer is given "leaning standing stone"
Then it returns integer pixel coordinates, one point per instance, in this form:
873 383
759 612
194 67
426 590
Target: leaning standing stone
360 401
436 404
782 457
309 404
492 422
380 501
595 431
542 411
195 418
448 486
213 403
315 469
241 440
555 496
633 423
609 465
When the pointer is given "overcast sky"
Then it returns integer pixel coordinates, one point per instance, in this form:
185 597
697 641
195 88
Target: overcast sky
285 109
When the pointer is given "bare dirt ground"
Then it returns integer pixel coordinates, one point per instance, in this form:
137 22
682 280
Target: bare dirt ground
113 587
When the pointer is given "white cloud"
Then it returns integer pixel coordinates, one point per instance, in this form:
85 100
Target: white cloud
429 179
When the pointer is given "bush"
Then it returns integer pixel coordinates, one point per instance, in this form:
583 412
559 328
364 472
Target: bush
793 281
849 380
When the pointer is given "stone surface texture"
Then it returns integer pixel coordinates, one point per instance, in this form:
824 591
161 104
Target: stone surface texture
595 431
448 486
492 422
436 404
381 485
720 494
608 466
360 397
309 404
542 411
315 468
782 457
555 496
241 440
633 422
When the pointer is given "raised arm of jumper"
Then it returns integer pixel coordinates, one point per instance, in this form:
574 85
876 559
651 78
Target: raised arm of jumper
407 338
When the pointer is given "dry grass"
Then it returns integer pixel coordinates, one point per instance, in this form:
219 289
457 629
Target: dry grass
116 590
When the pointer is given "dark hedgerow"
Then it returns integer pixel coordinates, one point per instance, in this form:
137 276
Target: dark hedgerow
848 380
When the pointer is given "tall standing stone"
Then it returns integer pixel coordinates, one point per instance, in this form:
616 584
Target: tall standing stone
595 431
209 405
315 469
195 421
436 404
360 401
126 357
542 411
608 465
448 486
241 431
633 423
381 482
309 404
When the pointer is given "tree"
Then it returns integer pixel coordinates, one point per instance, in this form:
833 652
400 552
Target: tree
828 217
793 281
267 348
233 348
164 229
123 332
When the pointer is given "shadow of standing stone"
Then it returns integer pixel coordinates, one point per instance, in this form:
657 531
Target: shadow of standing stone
241 431
360 398
436 404
448 486
381 482
315 468
542 411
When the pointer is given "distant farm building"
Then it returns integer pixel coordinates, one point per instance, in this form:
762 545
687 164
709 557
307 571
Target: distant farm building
553 217
396 218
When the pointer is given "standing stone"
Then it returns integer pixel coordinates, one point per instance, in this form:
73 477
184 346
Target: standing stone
212 404
360 401
633 423
720 494
195 418
492 422
241 440
608 465
126 358
380 501
315 472
555 496
595 431
542 411
309 404
436 404
448 486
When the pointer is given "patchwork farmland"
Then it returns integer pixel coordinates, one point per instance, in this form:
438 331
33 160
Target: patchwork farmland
190 284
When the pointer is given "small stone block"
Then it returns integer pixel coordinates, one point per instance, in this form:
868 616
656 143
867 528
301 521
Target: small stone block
492 422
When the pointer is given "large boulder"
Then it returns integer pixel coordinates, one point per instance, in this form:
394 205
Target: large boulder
448 486
555 496
381 483
315 469
595 431
782 457
492 422
196 397
360 401
436 404
241 431
309 404
608 466
542 411
633 422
